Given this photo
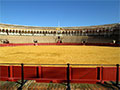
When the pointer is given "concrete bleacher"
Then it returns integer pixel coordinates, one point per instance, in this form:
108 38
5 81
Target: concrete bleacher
87 34
74 39
28 39
87 39
53 39
96 39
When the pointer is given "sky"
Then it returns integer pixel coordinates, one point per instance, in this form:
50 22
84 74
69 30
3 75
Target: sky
62 12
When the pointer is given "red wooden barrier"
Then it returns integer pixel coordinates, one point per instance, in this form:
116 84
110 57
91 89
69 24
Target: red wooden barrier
17 71
4 73
84 73
54 73
28 70
109 73
59 74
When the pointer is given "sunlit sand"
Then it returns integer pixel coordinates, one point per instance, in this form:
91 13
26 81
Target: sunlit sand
60 54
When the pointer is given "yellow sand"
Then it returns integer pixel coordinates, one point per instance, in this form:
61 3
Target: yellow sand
60 54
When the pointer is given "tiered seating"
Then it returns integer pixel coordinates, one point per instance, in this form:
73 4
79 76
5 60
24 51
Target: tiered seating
74 39
28 39
53 39
87 39
99 40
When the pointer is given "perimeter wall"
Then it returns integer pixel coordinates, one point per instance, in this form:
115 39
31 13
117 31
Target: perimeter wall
54 39
59 74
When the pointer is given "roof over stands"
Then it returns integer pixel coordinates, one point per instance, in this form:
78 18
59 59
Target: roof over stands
10 26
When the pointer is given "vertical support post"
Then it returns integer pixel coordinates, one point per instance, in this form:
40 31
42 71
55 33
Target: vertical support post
117 74
101 74
22 74
68 77
98 73
22 77
39 71
10 71
70 74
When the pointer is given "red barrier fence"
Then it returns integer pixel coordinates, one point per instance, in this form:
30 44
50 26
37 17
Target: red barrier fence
59 74
33 44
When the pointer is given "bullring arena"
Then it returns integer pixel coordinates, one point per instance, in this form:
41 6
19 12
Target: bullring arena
96 47
66 44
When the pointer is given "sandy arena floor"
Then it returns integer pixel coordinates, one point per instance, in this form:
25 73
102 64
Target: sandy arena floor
60 54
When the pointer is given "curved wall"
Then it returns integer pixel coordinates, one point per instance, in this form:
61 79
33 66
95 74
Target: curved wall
54 39
89 34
